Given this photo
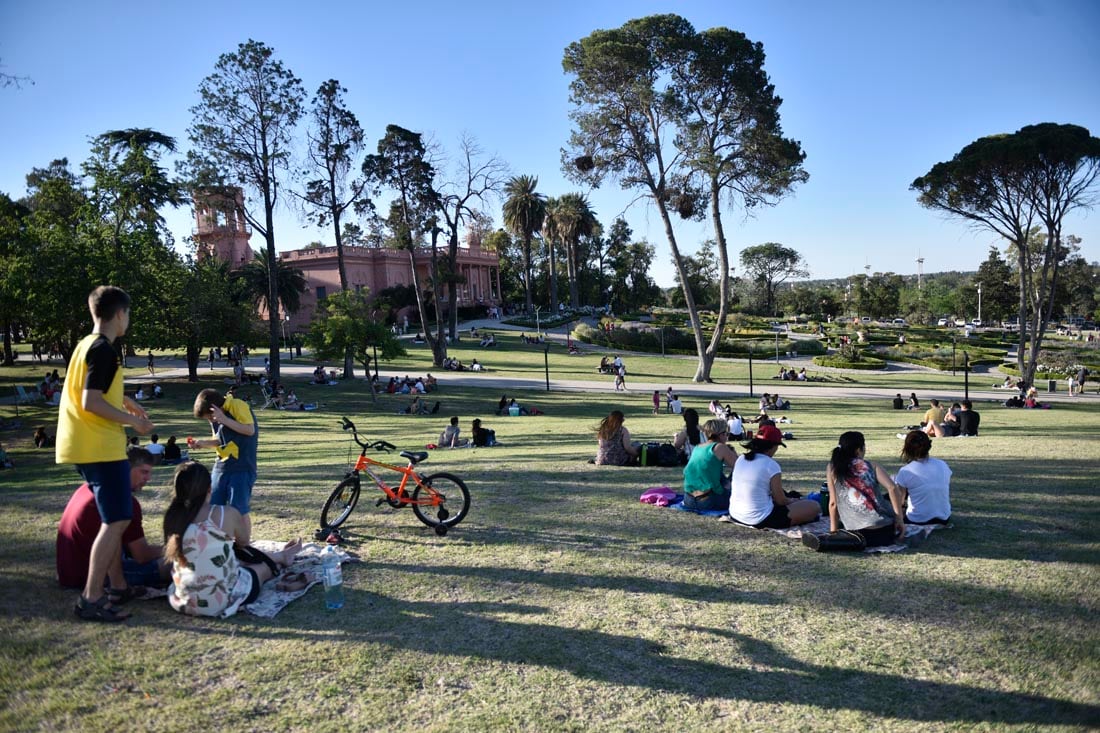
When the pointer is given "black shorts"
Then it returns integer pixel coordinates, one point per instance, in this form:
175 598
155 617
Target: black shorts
934 520
880 537
255 592
780 518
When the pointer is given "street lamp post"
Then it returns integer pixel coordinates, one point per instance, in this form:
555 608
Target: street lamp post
538 328
979 302
286 341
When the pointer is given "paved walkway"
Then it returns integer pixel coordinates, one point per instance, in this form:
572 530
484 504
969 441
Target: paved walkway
980 383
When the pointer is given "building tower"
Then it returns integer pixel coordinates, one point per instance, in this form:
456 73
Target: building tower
220 227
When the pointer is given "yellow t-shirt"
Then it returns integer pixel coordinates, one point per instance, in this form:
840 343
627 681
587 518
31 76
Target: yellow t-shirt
934 415
83 437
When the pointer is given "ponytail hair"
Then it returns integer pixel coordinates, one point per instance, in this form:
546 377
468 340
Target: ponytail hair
190 484
691 426
848 446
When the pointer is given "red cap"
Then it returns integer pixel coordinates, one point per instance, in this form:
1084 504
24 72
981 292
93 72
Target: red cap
770 434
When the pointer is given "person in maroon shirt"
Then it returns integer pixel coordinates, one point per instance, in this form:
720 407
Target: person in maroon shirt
139 564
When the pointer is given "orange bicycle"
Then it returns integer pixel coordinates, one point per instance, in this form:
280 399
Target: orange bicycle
440 500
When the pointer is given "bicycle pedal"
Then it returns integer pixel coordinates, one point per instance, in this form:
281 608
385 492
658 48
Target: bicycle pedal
381 501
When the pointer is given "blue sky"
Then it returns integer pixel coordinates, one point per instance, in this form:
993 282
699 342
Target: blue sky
877 92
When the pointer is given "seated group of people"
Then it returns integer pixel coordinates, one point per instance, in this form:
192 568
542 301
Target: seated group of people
790 375
320 376
863 498
454 365
1028 399
940 422
487 340
200 563
50 387
773 402
509 407
481 437
540 339
419 407
410 385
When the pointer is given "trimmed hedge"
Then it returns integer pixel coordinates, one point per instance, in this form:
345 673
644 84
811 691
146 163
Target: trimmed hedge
867 363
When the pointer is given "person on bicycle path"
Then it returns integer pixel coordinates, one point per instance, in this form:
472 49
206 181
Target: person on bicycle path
236 435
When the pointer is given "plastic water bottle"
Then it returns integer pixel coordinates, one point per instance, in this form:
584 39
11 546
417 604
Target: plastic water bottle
333 578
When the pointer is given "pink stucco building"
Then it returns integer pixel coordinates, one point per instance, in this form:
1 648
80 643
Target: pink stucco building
221 231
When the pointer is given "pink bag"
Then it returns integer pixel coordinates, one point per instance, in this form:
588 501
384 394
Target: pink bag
659 495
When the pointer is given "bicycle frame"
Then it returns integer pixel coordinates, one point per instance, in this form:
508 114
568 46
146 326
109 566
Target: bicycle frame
399 494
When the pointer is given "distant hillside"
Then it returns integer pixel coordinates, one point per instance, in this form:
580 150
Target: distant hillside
840 282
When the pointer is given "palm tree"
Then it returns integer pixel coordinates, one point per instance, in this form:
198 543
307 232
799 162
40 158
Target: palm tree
552 227
290 283
524 212
568 218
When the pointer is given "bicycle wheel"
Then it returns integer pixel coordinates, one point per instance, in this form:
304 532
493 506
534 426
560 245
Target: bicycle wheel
453 507
341 502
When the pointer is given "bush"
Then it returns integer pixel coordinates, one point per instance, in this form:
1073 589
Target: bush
868 363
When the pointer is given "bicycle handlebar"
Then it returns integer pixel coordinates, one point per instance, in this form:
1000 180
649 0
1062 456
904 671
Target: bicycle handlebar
378 445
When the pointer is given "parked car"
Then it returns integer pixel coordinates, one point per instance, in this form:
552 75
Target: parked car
900 322
960 322
977 322
866 319
942 322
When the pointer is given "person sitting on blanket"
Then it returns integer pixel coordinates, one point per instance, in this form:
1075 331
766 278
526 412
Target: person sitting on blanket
855 495
756 496
206 577
705 486
690 437
614 446
924 482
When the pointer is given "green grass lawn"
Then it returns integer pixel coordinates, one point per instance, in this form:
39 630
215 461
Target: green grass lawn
562 603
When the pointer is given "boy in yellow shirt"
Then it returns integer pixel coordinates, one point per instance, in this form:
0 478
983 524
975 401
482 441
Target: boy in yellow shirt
91 433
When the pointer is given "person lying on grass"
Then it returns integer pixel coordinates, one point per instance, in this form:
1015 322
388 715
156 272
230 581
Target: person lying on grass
757 498
207 579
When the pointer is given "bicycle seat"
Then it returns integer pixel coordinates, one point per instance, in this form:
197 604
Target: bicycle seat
416 457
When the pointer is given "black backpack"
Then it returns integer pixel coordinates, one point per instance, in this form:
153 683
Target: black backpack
667 455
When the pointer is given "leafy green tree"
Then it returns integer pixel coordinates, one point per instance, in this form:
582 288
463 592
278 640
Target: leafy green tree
512 273
769 265
1081 287
998 287
524 213
653 80
70 256
15 247
401 166
703 272
290 284
883 295
727 115
1006 183
204 305
350 321
335 142
243 135
568 218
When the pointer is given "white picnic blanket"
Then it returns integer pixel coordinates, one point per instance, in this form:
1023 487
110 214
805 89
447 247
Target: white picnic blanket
271 600
914 533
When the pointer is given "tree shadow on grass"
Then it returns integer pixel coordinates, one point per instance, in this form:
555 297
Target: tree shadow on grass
476 630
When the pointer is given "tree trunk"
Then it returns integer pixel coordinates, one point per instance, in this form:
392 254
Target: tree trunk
193 354
274 354
9 358
574 292
707 360
527 270
553 277
452 282
702 371
334 212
